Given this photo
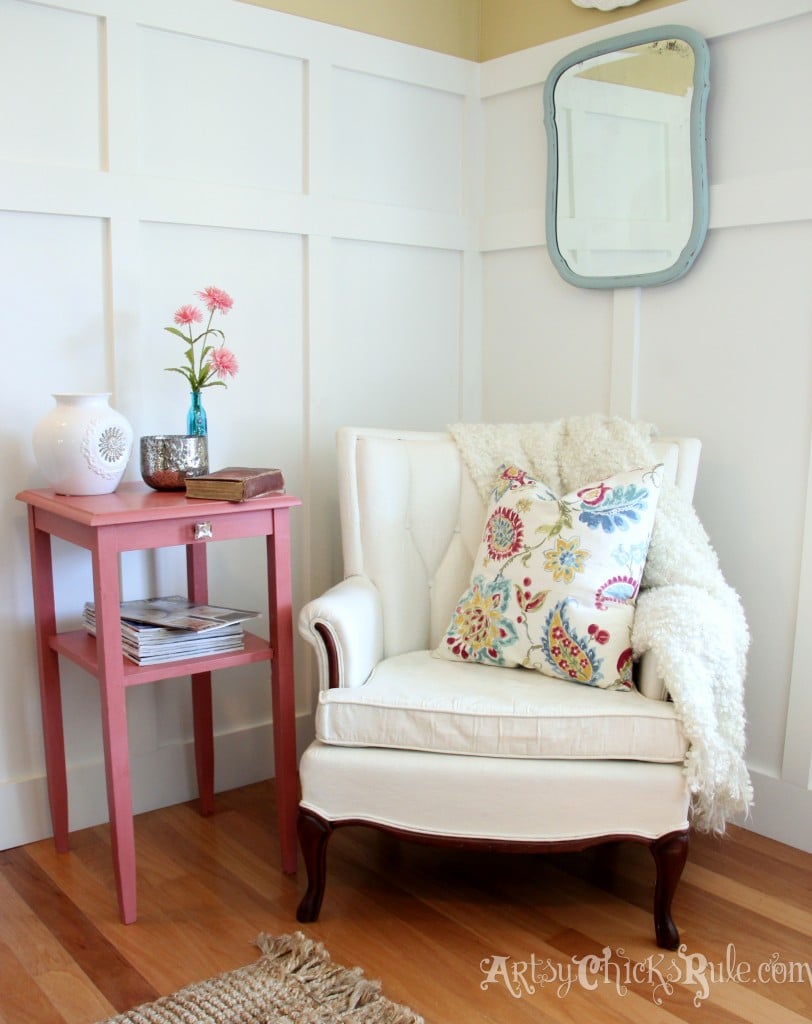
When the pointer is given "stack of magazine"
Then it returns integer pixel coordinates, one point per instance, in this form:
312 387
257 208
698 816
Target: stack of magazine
159 629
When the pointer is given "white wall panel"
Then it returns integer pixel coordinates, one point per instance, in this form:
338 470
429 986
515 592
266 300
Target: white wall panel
54 320
258 415
396 143
761 81
729 382
516 152
316 174
53 310
547 345
210 111
386 350
394 357
50 77
723 353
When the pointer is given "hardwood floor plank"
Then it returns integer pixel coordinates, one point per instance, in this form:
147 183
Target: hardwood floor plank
34 945
769 867
75 994
568 895
429 923
45 961
749 900
501 921
110 972
22 1001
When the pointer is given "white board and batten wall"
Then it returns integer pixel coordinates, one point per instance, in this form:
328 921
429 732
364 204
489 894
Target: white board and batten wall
376 211
725 353
323 178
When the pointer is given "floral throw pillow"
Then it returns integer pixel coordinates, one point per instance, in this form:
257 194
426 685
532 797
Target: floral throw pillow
555 580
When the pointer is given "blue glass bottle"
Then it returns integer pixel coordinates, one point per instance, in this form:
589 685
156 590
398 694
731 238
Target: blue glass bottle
196 423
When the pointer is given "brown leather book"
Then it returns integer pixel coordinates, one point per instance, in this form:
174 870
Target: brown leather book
235 483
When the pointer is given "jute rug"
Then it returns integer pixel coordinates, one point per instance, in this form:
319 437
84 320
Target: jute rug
294 982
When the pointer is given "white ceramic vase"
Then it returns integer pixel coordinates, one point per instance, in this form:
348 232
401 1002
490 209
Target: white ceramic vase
82 445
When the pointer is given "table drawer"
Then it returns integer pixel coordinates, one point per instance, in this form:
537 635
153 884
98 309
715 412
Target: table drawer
200 529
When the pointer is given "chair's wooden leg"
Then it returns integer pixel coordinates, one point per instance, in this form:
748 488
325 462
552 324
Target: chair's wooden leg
314 834
670 854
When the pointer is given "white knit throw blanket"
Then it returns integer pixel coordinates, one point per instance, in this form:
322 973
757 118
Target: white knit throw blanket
686 613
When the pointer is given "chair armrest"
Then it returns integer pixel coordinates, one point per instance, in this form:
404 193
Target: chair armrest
649 682
345 626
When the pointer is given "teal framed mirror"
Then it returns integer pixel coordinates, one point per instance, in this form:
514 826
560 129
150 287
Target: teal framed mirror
627 183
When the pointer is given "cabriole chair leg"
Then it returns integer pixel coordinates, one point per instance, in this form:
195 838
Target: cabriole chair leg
670 853
314 834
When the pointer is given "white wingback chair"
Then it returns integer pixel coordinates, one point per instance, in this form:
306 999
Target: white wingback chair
472 755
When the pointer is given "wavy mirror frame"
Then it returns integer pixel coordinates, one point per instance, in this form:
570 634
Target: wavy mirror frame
698 149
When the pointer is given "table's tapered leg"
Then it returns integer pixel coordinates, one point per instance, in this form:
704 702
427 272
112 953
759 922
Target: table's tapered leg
114 723
198 591
282 686
119 798
50 688
204 740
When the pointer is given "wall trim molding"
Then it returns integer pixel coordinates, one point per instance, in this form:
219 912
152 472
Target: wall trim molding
782 811
623 383
796 767
159 778
722 17
776 198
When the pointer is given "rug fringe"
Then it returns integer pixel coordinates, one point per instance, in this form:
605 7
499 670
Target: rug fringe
345 990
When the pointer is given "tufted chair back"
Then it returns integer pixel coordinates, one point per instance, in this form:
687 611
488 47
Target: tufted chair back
411 522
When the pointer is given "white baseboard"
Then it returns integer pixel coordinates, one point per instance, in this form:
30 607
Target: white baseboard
780 811
159 778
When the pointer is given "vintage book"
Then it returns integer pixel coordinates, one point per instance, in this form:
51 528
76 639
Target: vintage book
235 483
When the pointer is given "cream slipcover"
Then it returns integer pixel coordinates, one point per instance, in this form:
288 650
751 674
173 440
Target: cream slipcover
433 748
411 703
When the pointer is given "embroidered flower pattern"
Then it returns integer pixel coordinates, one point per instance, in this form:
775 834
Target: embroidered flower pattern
509 476
624 670
632 560
479 628
527 601
550 594
594 494
504 534
620 589
612 508
569 655
565 559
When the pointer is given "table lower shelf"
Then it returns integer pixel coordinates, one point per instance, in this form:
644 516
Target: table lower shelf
79 647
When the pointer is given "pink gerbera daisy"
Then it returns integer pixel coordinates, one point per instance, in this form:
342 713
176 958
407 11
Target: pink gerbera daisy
206 361
224 362
216 299
188 315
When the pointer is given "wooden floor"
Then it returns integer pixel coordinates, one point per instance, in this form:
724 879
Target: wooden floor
461 938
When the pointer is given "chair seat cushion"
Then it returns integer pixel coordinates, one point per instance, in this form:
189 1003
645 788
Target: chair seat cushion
417 702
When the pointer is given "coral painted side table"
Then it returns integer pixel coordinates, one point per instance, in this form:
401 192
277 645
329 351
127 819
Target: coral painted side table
136 518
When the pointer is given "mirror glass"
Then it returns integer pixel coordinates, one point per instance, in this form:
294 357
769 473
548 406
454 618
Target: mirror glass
627 191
